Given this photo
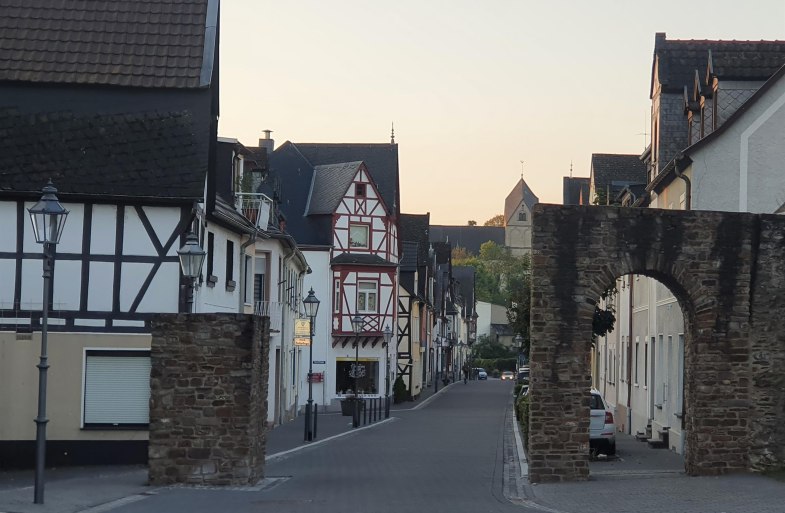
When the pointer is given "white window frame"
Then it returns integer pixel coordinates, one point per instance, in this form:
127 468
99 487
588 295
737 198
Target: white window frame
115 393
367 293
367 229
336 295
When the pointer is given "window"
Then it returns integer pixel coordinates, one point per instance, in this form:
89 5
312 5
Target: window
637 352
366 296
659 371
116 389
359 190
646 362
337 296
522 215
229 261
247 279
358 236
210 249
366 373
259 282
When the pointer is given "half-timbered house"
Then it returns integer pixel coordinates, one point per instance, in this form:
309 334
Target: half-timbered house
120 110
341 205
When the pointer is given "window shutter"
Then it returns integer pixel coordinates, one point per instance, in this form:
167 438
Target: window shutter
117 389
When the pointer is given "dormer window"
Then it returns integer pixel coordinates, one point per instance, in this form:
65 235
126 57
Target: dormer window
522 215
359 190
358 235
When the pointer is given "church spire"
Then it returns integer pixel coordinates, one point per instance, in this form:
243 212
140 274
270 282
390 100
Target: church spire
392 133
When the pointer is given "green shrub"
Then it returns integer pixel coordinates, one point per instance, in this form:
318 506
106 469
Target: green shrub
400 394
517 389
522 414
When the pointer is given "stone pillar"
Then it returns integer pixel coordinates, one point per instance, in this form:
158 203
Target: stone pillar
208 393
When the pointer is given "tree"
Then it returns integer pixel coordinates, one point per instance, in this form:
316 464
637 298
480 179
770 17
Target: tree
497 220
604 319
472 223
486 348
460 255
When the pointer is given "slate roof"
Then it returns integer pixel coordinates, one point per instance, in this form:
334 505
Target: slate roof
468 237
330 183
573 189
677 60
520 193
154 155
415 228
292 166
616 170
360 258
464 276
138 43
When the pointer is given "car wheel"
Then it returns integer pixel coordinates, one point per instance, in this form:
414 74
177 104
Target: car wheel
612 449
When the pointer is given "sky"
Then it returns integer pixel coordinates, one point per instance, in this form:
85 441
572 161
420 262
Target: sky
478 91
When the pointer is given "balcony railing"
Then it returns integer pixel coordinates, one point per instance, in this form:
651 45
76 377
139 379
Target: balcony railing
256 207
271 309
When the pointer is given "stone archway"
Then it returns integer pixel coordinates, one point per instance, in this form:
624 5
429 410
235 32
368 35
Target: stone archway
727 271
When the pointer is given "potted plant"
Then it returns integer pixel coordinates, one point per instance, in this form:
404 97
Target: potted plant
347 403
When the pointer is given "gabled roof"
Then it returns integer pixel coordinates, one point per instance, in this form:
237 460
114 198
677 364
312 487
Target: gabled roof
520 193
152 155
468 237
380 159
575 189
464 276
138 43
616 170
330 184
292 166
677 60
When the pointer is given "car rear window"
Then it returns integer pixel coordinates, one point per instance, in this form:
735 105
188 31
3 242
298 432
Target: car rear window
596 402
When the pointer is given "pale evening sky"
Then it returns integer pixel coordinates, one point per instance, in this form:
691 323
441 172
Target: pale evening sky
472 87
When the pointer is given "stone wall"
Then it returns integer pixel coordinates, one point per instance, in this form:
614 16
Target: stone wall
208 392
727 272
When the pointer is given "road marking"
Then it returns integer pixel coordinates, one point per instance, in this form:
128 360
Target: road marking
107 506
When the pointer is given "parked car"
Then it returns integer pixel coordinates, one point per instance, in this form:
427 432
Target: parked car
508 375
481 374
602 431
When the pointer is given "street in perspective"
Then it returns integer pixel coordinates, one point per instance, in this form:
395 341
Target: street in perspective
457 451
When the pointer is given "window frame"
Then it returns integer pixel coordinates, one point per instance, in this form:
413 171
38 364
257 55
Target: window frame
118 353
367 235
375 293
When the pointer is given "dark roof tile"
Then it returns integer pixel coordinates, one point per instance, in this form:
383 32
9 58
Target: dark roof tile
154 155
107 42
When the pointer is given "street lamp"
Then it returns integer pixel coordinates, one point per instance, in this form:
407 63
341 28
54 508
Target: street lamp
311 306
387 338
191 260
48 217
357 326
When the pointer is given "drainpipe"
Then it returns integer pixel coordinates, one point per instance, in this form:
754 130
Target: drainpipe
629 357
687 183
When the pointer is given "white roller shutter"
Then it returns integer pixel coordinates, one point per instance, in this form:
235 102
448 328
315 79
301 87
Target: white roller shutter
117 388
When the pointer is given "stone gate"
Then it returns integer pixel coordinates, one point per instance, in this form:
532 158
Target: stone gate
727 271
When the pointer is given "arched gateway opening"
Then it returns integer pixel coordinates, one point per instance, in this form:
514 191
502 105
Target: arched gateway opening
727 271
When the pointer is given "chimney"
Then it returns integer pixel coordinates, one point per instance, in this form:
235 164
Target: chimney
267 143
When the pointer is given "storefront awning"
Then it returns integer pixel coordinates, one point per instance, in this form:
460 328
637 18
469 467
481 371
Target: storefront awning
364 340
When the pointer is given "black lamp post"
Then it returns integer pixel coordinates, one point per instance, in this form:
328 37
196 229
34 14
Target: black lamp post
387 337
191 261
357 326
311 306
48 217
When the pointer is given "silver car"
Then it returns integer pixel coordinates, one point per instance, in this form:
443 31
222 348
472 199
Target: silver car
602 431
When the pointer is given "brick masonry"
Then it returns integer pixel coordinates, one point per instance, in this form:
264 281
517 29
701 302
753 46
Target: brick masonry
727 271
208 392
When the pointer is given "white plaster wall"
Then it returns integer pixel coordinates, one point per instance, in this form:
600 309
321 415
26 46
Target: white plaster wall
7 282
99 295
483 319
321 281
164 221
162 295
217 298
8 226
103 228
67 285
135 238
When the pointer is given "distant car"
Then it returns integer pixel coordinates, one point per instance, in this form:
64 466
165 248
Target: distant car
481 374
602 430
508 375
